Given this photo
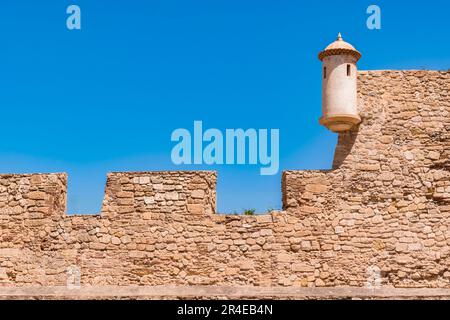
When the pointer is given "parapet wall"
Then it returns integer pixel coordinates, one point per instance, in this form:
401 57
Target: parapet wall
380 217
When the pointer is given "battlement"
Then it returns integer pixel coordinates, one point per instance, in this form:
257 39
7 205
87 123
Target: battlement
381 216
44 195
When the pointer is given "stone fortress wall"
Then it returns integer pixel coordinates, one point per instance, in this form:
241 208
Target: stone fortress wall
381 216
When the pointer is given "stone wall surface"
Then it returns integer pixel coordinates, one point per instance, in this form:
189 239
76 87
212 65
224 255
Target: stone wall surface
380 217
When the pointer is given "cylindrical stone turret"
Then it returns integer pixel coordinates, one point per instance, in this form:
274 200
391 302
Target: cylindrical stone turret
339 92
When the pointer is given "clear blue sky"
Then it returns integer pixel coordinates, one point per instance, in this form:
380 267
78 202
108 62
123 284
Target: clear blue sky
107 98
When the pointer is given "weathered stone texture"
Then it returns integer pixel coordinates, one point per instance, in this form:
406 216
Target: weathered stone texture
386 203
382 214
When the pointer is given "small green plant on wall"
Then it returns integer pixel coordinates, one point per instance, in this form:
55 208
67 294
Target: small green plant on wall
249 212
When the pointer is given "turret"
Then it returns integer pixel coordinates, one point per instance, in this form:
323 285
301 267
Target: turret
339 92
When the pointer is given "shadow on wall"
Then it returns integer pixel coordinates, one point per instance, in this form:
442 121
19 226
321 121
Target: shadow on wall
344 146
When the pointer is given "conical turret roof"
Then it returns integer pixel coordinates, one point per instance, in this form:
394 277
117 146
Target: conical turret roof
339 47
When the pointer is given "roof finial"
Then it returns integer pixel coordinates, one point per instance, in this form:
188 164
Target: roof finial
339 38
